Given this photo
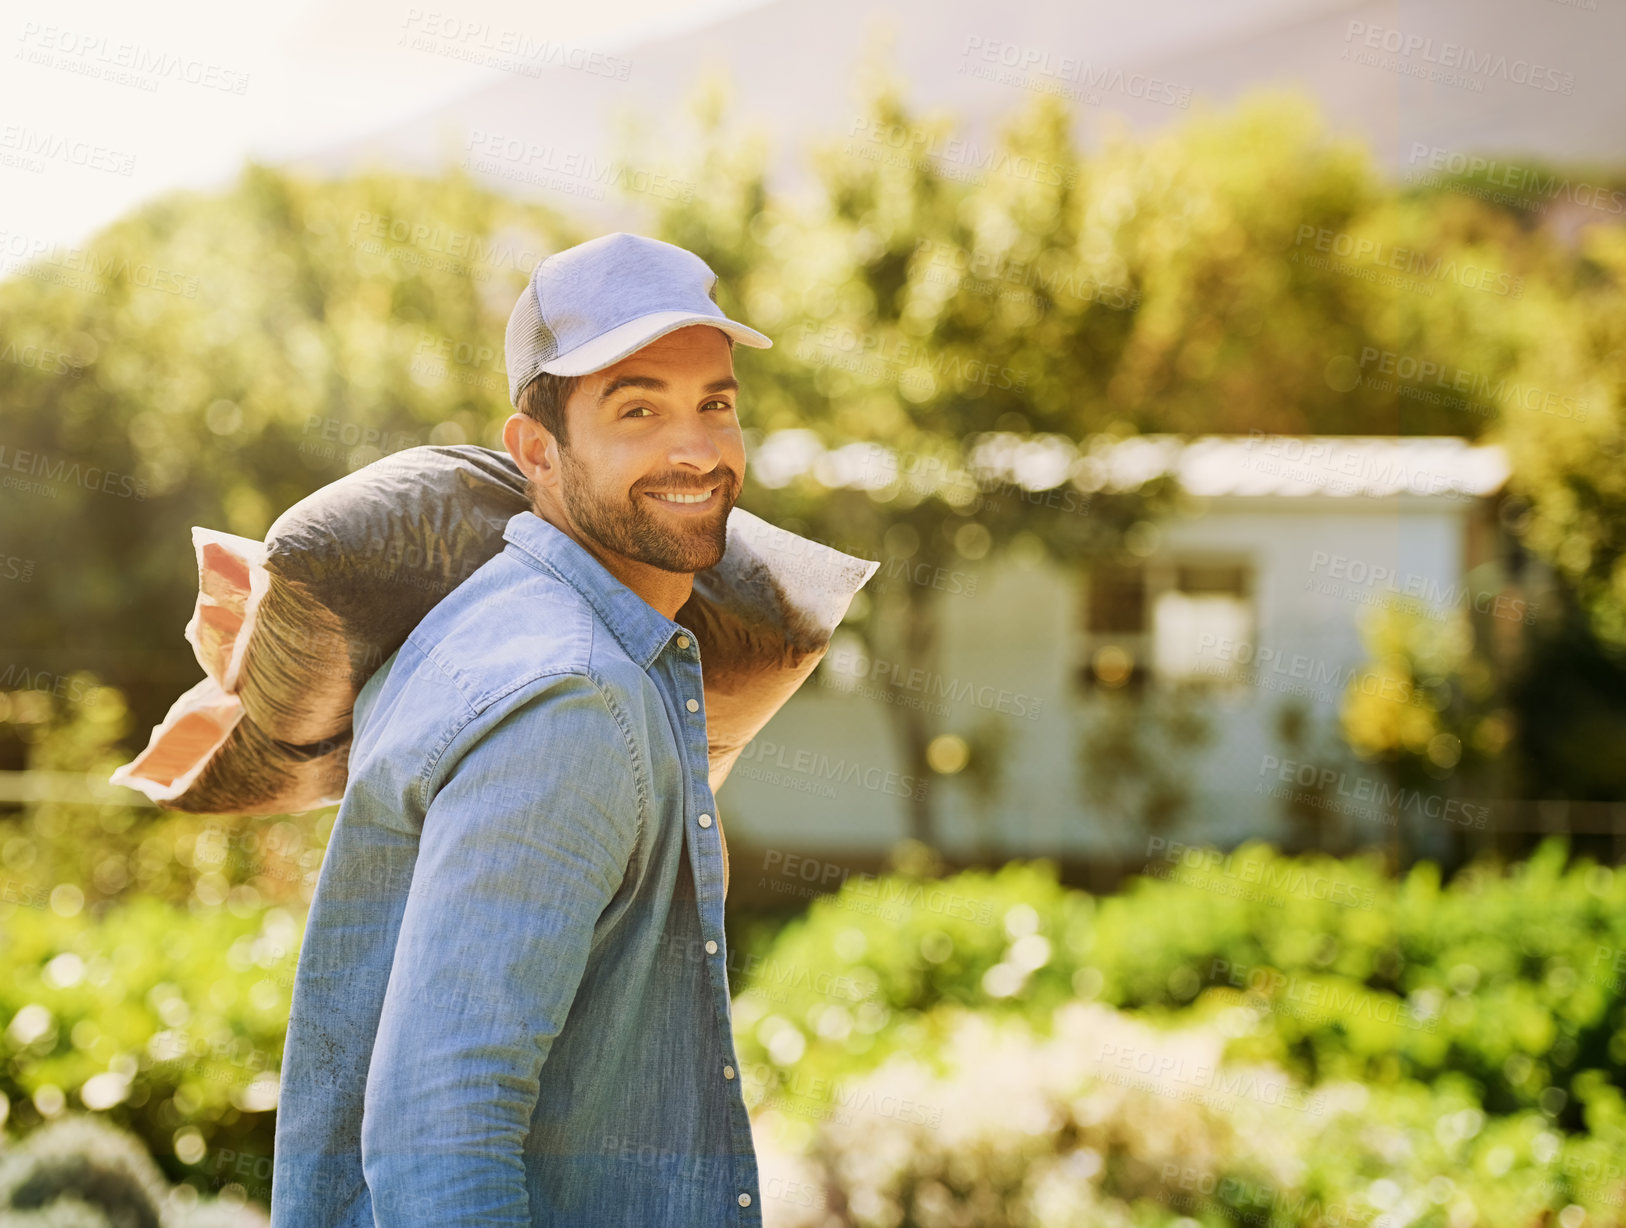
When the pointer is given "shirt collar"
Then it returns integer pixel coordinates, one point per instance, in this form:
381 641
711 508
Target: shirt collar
642 629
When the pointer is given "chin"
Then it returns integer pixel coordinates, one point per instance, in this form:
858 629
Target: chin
701 559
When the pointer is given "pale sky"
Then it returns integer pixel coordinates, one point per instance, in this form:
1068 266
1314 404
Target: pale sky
104 105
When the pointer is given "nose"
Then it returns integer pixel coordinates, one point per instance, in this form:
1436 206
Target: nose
693 443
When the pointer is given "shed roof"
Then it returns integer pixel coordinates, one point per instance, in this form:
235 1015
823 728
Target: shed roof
1214 466
1374 466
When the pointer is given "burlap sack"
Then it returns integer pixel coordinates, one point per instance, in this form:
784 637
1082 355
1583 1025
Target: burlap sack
289 629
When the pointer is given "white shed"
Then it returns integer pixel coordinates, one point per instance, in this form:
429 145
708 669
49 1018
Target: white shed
1224 619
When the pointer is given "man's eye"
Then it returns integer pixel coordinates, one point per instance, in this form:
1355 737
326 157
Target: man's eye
720 403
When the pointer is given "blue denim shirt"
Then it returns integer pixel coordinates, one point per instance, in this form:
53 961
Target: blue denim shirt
511 1003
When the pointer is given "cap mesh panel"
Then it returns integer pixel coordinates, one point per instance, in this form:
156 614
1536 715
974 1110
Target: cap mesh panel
528 344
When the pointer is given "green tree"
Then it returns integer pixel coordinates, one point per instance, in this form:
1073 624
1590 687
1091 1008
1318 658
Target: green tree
154 385
944 302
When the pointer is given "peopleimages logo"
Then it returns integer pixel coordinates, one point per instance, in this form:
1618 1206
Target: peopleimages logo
86 269
1348 466
1424 588
1046 279
922 142
1448 58
34 148
874 354
1423 373
1155 1070
1380 257
123 62
1314 998
934 685
455 37
1288 878
516 157
1380 793
1103 77
462 249
1192 1189
1532 181
91 477
1296 673
42 358
817 765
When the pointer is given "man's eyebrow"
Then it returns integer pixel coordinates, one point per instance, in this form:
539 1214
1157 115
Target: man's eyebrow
727 384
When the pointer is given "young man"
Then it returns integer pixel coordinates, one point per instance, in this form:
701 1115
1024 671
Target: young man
512 1005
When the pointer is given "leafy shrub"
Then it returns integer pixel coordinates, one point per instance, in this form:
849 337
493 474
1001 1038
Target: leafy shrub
1516 978
1500 994
82 1172
1005 1126
1497 1002
169 1021
106 851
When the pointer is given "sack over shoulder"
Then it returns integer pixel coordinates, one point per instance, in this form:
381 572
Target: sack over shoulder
288 630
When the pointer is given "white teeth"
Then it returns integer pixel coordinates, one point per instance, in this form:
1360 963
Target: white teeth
700 498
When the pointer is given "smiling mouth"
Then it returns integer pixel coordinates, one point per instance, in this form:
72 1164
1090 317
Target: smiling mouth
685 499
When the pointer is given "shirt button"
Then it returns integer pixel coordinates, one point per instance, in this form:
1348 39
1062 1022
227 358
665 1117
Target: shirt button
728 1073
704 820
711 947
745 1200
691 705
683 641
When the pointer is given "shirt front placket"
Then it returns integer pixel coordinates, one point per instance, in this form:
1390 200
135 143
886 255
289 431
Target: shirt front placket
703 833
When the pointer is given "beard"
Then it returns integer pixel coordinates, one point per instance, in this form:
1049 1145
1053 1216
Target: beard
630 525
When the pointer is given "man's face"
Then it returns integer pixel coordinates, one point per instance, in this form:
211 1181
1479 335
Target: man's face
659 422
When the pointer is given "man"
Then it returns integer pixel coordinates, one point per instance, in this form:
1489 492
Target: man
511 1005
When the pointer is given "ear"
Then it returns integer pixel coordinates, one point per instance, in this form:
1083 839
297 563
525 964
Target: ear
533 448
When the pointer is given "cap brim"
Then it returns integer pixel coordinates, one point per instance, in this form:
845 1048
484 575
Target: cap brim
611 347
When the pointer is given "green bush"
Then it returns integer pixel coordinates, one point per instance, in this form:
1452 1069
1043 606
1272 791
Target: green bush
168 1021
1516 979
1500 995
1004 1126
82 1172
120 848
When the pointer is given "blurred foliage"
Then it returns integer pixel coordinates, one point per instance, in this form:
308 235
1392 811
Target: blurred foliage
1569 338
1232 274
353 318
1426 701
1365 1008
1571 722
1412 1034
1013 1128
1242 271
81 1171
1497 967
99 852
1136 754
168 1020
150 954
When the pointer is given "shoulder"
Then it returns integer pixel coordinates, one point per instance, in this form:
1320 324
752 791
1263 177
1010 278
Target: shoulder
512 623
505 626
517 657
566 731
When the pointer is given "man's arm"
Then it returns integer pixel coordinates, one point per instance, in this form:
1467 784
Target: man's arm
523 847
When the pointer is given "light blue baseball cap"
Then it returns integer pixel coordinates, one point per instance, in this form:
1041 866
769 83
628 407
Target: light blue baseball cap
593 304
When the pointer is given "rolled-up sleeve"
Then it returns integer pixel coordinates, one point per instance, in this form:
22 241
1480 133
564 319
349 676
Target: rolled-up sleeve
524 844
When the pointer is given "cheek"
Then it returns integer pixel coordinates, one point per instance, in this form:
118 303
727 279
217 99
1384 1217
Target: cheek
592 482
615 472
